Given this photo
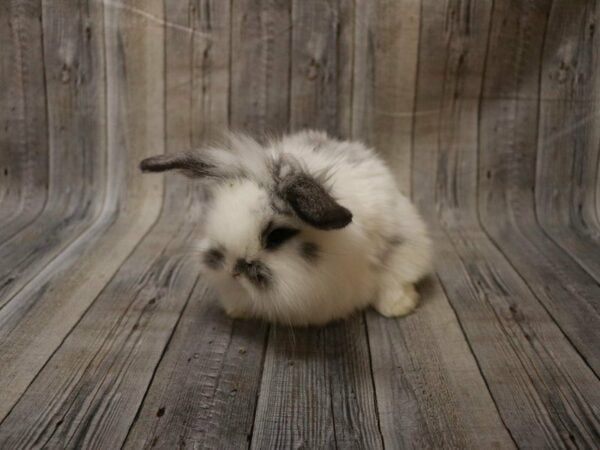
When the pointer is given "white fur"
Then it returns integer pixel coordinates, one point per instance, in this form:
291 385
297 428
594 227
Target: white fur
360 265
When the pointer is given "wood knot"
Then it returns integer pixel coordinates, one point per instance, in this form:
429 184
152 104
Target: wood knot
65 74
313 70
563 72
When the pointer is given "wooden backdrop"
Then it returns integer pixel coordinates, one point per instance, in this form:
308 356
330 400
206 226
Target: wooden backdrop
487 111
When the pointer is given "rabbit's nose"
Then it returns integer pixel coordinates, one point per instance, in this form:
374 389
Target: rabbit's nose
239 268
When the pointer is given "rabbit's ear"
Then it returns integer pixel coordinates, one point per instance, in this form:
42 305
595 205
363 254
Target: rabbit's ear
208 163
313 204
190 164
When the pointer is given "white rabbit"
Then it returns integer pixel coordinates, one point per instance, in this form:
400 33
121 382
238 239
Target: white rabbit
305 229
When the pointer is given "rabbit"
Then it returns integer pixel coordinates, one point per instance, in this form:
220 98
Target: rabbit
304 229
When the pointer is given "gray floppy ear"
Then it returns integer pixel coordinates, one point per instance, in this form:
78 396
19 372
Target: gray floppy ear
191 164
313 204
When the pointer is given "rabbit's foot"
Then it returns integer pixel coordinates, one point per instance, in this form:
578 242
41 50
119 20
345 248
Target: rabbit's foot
237 311
394 303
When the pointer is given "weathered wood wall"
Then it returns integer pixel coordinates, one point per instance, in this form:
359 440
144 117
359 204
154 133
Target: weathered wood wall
488 112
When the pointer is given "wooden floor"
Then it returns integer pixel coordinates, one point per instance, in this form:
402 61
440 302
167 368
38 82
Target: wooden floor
489 113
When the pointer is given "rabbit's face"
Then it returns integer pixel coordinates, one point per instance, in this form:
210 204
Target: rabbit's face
245 237
265 217
237 226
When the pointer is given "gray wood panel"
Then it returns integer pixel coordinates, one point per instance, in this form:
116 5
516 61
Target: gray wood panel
540 393
315 75
89 393
507 159
345 66
23 121
430 392
486 111
199 396
569 129
73 56
35 323
210 72
544 391
394 46
317 389
260 65
423 362
338 409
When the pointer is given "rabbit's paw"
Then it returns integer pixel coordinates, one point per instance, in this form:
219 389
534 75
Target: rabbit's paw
394 303
237 312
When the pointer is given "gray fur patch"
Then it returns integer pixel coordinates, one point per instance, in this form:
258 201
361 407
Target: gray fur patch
214 258
309 251
392 243
257 272
280 206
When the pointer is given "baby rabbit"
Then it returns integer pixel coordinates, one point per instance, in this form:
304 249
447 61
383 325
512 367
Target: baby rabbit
305 229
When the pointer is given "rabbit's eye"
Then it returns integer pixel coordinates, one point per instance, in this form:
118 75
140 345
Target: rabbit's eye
274 237
214 258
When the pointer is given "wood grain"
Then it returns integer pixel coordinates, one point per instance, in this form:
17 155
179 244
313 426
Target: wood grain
535 376
314 71
89 393
210 72
260 65
345 66
316 390
199 396
38 319
74 60
363 81
396 53
387 43
569 126
507 178
23 119
338 409
423 363
486 111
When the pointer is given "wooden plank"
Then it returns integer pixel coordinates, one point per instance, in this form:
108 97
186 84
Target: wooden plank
211 53
260 55
429 389
363 84
204 390
396 54
317 390
507 178
40 316
314 66
88 394
522 316
569 130
386 53
339 408
544 391
422 363
149 270
345 66
75 84
569 293
137 110
24 143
